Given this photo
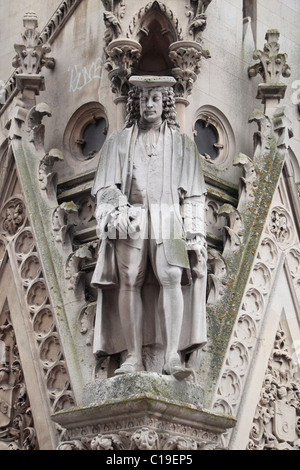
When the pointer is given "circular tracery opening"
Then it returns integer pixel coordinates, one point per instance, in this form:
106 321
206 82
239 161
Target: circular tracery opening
86 132
206 139
213 136
93 137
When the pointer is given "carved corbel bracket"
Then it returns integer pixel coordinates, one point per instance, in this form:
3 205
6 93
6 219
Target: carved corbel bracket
186 57
233 232
122 54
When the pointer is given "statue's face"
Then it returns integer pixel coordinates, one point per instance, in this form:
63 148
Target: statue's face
151 104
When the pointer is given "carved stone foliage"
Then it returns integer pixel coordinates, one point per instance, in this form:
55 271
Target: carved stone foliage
271 66
17 430
186 57
196 13
233 230
276 424
31 55
147 434
248 182
114 13
46 36
43 321
46 175
122 54
75 276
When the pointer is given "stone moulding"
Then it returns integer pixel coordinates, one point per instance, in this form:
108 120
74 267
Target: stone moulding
143 418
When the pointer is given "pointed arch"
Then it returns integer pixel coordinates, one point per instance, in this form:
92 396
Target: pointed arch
155 27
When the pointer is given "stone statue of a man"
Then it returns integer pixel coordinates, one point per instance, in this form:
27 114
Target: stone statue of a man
151 268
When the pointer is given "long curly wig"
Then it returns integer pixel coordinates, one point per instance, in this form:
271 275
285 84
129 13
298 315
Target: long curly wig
133 107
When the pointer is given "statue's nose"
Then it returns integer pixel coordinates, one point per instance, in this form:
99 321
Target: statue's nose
149 103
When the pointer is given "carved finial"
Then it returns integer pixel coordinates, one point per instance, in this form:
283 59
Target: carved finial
271 66
30 56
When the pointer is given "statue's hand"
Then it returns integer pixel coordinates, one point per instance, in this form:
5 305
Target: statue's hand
127 221
198 255
123 223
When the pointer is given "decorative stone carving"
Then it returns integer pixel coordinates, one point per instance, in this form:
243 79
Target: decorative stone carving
87 320
142 439
248 182
115 11
43 321
186 57
33 124
214 221
277 416
47 35
216 276
141 417
262 138
280 226
16 421
197 17
46 175
74 275
17 117
293 259
122 54
249 321
64 218
271 66
31 56
2 92
282 126
233 232
12 217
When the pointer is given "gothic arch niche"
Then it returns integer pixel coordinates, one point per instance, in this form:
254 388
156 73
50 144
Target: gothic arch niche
156 28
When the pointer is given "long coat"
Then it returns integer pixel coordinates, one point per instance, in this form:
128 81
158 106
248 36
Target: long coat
182 168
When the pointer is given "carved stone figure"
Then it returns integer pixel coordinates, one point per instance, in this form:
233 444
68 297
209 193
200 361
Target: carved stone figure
151 267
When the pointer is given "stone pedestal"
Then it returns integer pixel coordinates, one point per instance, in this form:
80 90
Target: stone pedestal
142 411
